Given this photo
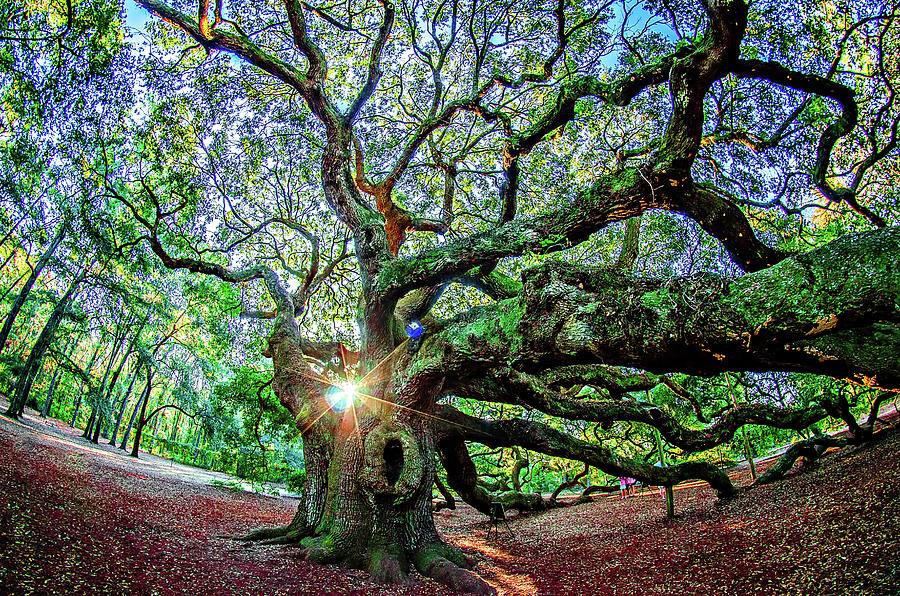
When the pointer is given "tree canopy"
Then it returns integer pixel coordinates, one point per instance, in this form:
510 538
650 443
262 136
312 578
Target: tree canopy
545 227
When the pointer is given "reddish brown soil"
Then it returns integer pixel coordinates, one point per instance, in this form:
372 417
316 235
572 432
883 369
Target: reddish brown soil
78 519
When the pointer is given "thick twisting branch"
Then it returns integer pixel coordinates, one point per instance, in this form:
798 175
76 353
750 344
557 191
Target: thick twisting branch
690 79
831 311
841 126
309 85
664 182
519 388
550 441
606 379
725 221
374 71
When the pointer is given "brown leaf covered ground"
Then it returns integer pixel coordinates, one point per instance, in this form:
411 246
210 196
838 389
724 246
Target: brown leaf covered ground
80 519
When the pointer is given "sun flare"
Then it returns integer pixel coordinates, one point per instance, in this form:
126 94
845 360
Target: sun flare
341 397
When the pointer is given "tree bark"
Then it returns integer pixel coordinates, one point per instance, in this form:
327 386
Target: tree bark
100 407
35 358
134 411
29 283
124 404
141 421
11 287
98 424
89 427
196 448
87 371
816 312
112 383
12 229
369 472
5 263
51 391
630 246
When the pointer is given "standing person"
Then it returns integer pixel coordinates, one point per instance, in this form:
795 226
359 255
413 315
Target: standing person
629 484
623 487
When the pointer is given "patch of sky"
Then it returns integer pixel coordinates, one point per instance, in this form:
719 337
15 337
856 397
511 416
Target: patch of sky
631 20
136 16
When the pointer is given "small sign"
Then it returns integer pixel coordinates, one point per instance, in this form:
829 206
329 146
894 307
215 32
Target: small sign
415 330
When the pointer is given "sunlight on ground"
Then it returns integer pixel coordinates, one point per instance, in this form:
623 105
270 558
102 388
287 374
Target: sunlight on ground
65 442
485 549
511 583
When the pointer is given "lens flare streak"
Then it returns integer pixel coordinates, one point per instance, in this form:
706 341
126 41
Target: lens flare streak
342 397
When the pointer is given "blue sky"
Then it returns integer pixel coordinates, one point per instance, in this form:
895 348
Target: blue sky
135 16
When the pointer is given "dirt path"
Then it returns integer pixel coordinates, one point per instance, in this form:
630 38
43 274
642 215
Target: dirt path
56 431
81 519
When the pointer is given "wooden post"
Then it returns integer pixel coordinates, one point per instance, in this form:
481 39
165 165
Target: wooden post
749 455
670 493
670 502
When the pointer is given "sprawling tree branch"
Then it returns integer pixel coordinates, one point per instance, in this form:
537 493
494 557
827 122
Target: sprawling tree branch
813 448
830 311
309 85
463 478
618 92
615 383
725 221
545 439
294 382
810 449
510 386
777 73
611 198
605 202
630 245
318 64
690 79
349 207
374 74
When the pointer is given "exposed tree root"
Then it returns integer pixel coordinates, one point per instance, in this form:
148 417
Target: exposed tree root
811 449
316 551
439 561
292 533
447 565
263 534
389 566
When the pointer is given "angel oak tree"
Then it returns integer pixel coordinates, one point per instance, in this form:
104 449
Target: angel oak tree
488 83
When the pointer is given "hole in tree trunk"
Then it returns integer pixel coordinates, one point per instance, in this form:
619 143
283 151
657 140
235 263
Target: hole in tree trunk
393 460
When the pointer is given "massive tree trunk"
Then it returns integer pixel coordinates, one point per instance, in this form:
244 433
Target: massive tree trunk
369 458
